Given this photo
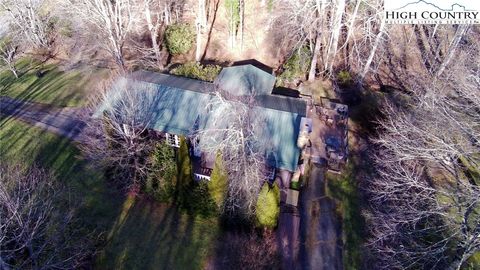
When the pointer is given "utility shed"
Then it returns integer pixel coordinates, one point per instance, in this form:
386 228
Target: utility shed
245 80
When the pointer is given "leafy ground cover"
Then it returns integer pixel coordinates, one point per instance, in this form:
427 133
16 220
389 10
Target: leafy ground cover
46 83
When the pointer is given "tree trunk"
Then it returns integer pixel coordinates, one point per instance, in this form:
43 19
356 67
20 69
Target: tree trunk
462 29
337 28
352 21
200 24
316 52
198 49
153 29
232 25
349 34
202 15
13 70
378 39
241 22
166 15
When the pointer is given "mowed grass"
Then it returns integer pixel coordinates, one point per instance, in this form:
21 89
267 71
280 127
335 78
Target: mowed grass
150 235
21 143
139 234
52 86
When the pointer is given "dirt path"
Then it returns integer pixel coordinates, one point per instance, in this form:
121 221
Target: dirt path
63 121
320 229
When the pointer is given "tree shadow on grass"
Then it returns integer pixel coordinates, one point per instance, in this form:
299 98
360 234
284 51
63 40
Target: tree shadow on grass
46 84
87 191
144 234
159 236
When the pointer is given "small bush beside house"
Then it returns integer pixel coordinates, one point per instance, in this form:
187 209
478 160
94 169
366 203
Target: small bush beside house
179 38
185 178
161 181
199 201
196 70
268 206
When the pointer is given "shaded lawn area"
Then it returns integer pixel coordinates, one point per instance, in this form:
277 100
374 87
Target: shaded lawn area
344 189
25 144
141 234
149 235
56 87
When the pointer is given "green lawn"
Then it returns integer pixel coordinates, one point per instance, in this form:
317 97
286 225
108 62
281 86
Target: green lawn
140 234
344 189
56 87
149 235
25 144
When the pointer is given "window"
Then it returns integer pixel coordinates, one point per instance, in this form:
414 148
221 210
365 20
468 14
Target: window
172 140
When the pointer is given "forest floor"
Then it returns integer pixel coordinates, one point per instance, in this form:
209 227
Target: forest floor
259 41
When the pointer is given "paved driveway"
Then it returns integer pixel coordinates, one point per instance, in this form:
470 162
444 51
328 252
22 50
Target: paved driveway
63 121
320 228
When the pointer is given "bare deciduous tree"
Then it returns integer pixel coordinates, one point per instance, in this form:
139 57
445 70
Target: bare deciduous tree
110 20
459 34
425 199
29 19
157 15
117 136
34 232
332 45
235 130
310 22
9 54
378 39
302 23
153 17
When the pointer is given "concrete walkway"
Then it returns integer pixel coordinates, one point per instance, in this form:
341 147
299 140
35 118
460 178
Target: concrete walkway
320 228
63 121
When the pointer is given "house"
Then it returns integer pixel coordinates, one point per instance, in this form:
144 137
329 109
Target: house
176 107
